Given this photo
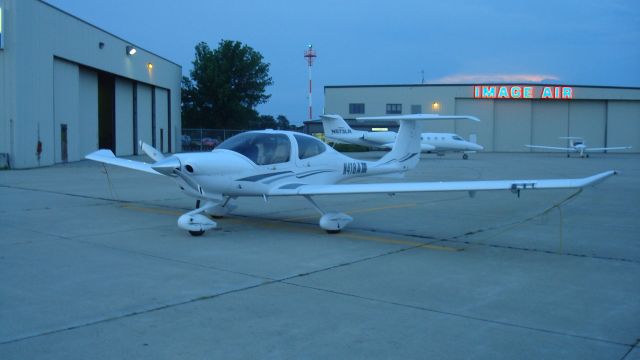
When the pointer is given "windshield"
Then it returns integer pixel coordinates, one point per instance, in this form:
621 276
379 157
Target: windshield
261 148
456 137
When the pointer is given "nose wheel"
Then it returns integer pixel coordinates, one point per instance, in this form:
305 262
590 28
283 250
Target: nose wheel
465 156
196 233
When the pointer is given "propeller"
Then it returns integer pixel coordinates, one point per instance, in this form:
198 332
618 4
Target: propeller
169 166
189 181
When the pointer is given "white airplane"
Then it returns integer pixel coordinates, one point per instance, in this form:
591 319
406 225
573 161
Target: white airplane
282 163
578 145
337 130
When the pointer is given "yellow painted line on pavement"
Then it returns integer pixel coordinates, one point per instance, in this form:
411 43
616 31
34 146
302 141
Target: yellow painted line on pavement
267 223
357 211
152 210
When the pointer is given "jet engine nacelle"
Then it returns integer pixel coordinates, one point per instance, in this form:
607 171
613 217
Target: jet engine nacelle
334 222
382 137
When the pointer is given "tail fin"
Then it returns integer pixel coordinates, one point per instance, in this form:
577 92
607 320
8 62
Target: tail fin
406 149
335 125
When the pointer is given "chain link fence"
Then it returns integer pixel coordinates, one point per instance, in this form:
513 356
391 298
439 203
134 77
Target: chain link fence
205 139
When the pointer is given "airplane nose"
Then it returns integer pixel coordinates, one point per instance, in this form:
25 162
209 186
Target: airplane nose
167 165
479 147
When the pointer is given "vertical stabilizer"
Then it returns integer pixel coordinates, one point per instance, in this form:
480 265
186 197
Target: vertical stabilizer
335 127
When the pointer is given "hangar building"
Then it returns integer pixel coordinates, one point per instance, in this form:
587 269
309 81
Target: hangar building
511 115
68 88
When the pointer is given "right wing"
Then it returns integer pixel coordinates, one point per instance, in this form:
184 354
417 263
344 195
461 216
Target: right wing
483 185
608 148
107 157
550 147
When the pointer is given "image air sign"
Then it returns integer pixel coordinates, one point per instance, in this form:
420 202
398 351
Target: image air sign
522 92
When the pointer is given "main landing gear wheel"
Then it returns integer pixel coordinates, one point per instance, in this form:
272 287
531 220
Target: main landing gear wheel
465 156
333 231
196 233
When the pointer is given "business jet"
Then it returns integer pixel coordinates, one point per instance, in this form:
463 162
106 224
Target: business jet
271 163
577 145
337 130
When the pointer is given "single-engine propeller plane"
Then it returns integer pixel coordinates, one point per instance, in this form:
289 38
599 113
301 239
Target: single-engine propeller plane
282 163
337 130
577 145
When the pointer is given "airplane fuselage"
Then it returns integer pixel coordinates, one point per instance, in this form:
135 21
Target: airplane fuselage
429 142
223 172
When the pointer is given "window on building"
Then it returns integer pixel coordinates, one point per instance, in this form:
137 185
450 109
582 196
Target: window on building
416 109
356 108
394 108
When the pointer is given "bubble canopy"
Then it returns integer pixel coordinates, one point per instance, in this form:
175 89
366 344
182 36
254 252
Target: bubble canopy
261 148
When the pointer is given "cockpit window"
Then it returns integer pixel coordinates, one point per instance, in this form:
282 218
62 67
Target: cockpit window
308 146
456 137
261 148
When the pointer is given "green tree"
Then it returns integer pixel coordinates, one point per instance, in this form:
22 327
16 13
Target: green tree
264 122
283 123
226 85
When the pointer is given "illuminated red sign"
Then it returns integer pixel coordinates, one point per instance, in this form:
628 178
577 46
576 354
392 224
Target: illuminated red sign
522 92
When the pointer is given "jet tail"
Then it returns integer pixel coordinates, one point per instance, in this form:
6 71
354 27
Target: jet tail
334 126
406 149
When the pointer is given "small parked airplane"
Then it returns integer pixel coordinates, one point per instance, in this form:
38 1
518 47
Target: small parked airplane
337 130
283 163
578 145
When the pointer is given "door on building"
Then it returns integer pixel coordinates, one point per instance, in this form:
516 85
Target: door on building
106 111
64 151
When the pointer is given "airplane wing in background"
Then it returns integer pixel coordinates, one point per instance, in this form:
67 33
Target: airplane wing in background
608 148
107 157
550 147
485 185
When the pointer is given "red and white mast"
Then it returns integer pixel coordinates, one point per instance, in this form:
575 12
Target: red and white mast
310 54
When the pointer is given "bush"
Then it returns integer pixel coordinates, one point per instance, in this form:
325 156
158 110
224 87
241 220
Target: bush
348 147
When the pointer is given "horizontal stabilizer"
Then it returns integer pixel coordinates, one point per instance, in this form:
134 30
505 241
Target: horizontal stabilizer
485 185
418 117
107 157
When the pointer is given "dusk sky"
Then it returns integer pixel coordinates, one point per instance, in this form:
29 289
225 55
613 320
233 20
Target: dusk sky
367 42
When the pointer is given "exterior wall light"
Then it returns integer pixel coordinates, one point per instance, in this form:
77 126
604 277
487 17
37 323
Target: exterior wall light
131 50
435 106
149 66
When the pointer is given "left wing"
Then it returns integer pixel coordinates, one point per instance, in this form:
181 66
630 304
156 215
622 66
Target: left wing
513 185
107 157
550 147
608 148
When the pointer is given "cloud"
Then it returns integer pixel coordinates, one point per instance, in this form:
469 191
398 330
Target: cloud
494 78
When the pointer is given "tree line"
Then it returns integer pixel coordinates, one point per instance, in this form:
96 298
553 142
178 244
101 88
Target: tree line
224 88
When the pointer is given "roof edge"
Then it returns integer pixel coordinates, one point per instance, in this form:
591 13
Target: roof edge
107 32
479 83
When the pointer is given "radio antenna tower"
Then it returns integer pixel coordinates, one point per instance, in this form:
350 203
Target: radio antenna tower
310 54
